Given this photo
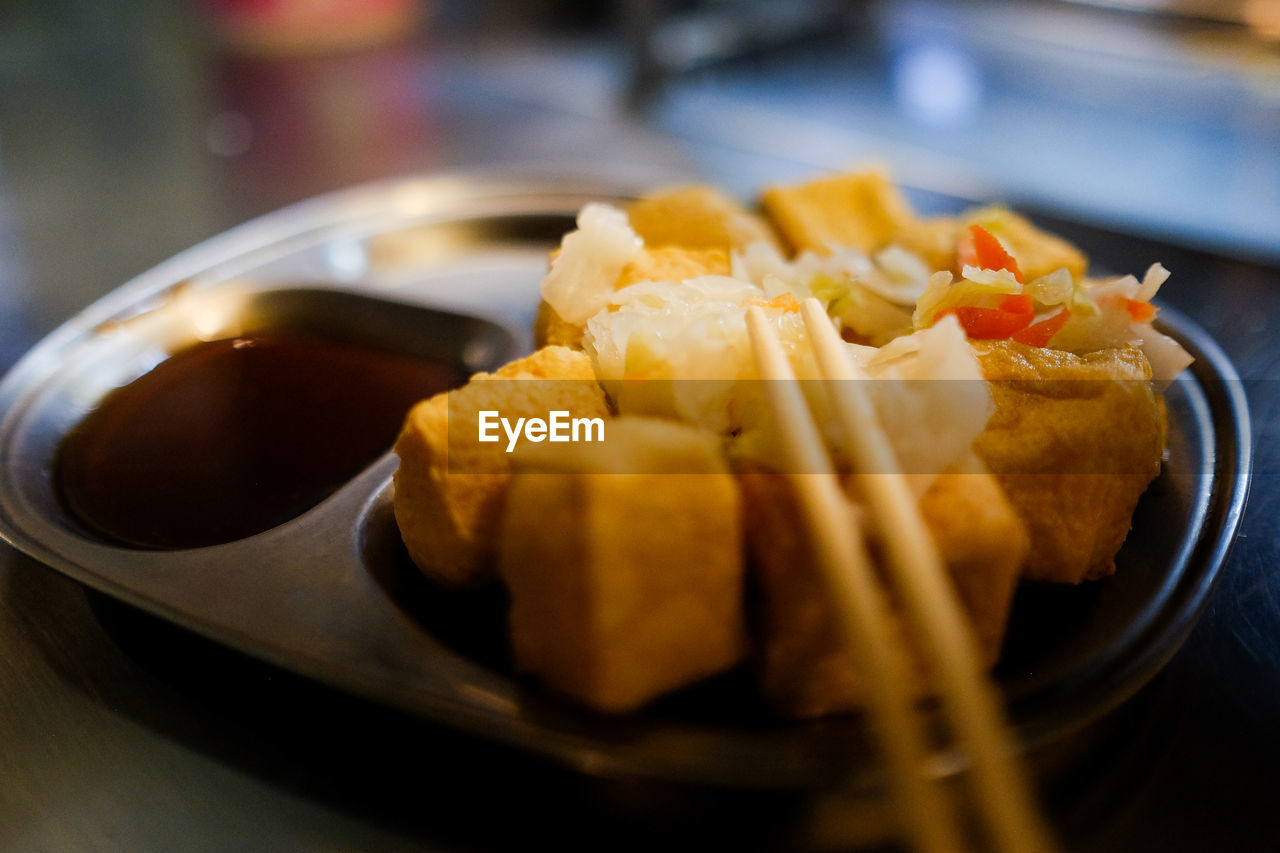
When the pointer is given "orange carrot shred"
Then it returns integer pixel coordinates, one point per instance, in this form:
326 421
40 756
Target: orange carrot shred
987 252
1140 312
1039 334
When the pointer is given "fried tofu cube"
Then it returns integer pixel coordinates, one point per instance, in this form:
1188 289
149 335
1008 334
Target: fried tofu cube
983 544
449 486
804 670
801 667
623 563
697 217
659 263
673 263
865 211
933 240
862 210
1074 442
550 329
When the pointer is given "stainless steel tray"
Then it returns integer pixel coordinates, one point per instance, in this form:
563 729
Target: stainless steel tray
331 595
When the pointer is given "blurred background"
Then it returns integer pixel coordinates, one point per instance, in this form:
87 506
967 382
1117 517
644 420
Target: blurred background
130 129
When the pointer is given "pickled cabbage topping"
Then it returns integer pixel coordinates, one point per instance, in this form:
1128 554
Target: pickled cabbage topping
1057 311
871 296
930 398
693 329
975 288
1120 312
895 274
590 260
694 335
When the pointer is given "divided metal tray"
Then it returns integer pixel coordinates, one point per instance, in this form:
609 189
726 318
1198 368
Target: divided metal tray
452 263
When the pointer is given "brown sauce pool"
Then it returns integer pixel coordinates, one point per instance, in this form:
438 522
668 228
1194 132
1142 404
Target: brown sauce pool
232 437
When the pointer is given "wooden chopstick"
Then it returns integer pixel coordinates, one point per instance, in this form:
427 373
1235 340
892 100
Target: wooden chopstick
861 608
1003 794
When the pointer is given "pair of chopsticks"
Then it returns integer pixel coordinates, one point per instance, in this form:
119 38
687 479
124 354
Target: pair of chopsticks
1001 793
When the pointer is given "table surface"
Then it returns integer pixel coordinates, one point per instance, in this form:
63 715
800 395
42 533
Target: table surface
124 138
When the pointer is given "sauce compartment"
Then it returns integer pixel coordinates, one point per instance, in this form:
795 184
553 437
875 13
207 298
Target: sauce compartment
278 399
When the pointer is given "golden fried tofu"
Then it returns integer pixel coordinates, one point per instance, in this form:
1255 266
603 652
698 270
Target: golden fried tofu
862 210
449 486
673 263
932 240
984 545
657 263
623 562
803 668
697 217
550 329
1074 442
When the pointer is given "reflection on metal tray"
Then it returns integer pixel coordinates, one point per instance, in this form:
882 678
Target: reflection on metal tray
331 594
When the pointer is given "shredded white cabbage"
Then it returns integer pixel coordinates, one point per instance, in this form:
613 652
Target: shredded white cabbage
693 332
1167 356
1052 288
943 292
590 260
904 276
930 397
1155 276
872 297
999 281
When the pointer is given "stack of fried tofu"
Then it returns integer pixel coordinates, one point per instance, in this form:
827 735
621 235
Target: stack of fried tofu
647 562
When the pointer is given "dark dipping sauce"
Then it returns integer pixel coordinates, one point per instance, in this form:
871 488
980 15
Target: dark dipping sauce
233 437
